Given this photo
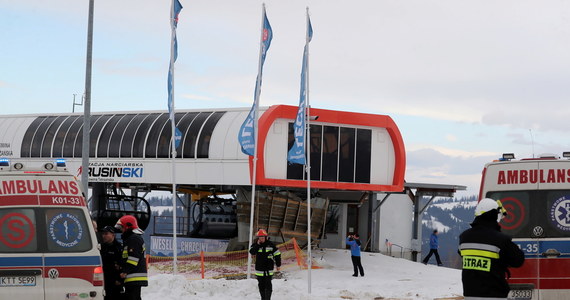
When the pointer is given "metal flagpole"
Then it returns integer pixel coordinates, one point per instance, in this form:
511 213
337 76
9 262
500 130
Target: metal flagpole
255 119
87 107
173 145
308 147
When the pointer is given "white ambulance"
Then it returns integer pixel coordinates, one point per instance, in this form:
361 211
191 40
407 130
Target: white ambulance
48 246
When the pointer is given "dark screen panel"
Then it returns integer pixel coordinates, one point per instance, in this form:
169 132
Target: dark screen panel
105 136
183 125
363 155
192 135
29 135
294 171
59 139
96 129
49 136
71 137
316 145
206 134
79 139
37 141
117 136
330 153
142 132
155 137
130 133
346 154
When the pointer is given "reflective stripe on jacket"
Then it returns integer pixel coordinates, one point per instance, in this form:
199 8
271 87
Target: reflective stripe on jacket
134 262
266 256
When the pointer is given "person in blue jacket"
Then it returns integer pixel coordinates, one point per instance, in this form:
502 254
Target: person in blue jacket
433 246
354 242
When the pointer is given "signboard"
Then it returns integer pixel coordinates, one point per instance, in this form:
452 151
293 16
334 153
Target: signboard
162 245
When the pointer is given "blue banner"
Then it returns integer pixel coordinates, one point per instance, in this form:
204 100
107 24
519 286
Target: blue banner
174 24
296 154
247 130
163 245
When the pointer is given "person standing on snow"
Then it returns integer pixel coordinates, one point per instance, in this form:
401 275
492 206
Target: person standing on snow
433 246
133 267
354 242
487 253
111 254
266 255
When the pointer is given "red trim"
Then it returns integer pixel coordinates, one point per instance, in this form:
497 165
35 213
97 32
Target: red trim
553 273
333 117
481 185
10 200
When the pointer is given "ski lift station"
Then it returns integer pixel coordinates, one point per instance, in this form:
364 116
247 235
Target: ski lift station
357 172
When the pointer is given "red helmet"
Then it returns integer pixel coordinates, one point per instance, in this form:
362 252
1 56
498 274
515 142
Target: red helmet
261 232
128 222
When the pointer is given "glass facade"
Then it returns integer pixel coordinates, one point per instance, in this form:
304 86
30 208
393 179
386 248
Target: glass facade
121 135
338 154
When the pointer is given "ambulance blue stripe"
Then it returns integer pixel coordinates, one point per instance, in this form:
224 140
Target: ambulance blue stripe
21 262
531 250
73 261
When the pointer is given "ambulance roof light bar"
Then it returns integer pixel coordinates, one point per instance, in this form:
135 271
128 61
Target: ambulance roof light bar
507 156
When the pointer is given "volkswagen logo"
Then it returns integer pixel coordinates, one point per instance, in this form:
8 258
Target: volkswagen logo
537 231
53 273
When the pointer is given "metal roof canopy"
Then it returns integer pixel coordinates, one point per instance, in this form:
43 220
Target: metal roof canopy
426 190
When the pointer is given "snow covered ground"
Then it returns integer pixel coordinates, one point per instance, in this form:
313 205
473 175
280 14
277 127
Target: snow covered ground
385 277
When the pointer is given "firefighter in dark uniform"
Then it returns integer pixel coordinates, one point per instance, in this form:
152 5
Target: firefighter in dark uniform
133 267
487 253
266 255
111 254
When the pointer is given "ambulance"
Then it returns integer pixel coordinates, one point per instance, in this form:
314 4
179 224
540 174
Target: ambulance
48 245
536 194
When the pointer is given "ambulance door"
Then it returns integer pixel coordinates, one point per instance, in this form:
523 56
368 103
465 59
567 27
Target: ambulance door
71 256
21 261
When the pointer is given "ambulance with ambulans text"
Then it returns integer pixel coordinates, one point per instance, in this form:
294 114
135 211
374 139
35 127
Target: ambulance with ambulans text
48 245
536 194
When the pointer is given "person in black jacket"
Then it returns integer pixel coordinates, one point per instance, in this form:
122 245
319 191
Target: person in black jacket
487 253
133 267
111 253
266 255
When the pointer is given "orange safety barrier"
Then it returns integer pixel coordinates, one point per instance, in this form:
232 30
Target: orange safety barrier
206 265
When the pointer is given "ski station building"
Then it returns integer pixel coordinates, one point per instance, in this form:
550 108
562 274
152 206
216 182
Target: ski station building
357 181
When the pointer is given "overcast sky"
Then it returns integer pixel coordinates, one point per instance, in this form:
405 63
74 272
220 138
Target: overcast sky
465 81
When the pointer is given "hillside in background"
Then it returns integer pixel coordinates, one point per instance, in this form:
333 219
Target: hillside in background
450 217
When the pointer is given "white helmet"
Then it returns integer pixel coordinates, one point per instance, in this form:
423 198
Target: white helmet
488 204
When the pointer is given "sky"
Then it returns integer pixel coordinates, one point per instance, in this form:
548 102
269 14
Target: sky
465 81
387 277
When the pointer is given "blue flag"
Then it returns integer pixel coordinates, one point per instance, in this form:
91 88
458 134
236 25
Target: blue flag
296 154
247 130
174 24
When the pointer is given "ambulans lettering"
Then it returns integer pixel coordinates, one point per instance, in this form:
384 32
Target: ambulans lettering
116 172
36 186
476 263
533 176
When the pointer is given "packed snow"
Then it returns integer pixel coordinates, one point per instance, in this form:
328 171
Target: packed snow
385 278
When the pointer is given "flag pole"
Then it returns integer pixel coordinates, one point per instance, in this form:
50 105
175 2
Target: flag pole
173 54
255 132
308 145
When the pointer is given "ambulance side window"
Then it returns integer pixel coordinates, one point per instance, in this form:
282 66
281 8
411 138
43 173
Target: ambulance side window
18 233
67 230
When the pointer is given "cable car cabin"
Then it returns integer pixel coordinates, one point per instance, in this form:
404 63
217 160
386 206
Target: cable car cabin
536 194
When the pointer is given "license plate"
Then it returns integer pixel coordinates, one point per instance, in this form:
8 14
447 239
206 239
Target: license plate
520 295
17 280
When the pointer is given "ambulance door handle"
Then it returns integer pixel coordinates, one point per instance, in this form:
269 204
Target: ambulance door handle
551 253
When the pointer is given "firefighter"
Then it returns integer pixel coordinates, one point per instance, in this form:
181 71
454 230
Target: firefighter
266 255
487 253
133 267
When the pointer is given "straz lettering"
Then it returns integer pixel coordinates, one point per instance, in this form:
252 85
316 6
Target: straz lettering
534 176
35 186
476 263
116 172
